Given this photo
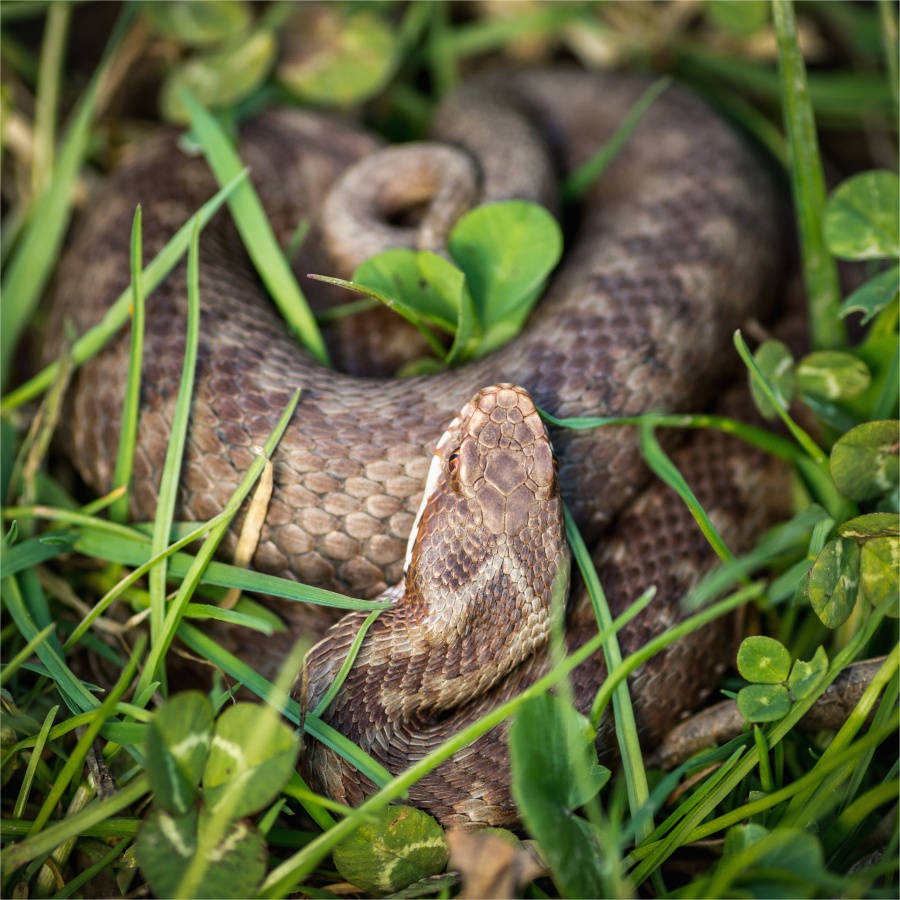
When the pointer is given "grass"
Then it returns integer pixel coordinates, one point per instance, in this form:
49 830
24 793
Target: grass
790 813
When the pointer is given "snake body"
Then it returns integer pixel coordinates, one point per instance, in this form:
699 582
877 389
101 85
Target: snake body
675 246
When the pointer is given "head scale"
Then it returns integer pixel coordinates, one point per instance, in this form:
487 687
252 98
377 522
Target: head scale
488 544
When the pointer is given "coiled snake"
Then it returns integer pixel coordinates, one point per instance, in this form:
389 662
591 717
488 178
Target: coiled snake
675 247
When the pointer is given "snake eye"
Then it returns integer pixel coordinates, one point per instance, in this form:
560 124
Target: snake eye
453 459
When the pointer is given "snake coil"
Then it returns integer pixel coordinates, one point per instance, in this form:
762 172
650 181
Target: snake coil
675 246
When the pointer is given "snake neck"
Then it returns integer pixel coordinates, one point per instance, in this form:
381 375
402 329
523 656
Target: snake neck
488 558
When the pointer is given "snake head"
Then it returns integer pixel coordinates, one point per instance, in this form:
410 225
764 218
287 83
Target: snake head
488 543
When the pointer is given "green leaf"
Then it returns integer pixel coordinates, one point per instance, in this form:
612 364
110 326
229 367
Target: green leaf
763 660
784 862
396 279
864 460
198 22
743 19
834 581
879 571
554 771
221 78
862 219
506 251
256 230
873 296
871 525
243 770
740 837
167 846
337 57
395 847
806 676
776 363
833 374
450 283
764 702
392 297
178 741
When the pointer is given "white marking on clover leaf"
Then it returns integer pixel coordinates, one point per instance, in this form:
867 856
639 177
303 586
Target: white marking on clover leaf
183 748
387 872
169 828
225 847
229 748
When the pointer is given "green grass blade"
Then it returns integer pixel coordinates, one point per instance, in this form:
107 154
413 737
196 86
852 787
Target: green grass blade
32 265
39 743
75 762
580 181
112 827
11 667
690 829
341 676
168 485
178 605
887 704
73 722
132 406
115 592
886 405
135 551
34 551
770 443
651 648
484 35
761 805
93 341
78 698
53 47
626 725
796 813
354 755
816 453
82 878
75 517
282 879
232 616
75 826
253 225
807 183
666 471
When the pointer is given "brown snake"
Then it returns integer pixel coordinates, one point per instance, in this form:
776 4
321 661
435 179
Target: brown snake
676 246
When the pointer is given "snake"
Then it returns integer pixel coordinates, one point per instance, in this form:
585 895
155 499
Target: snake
443 492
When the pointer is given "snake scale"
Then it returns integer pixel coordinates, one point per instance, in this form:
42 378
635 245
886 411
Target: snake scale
674 247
